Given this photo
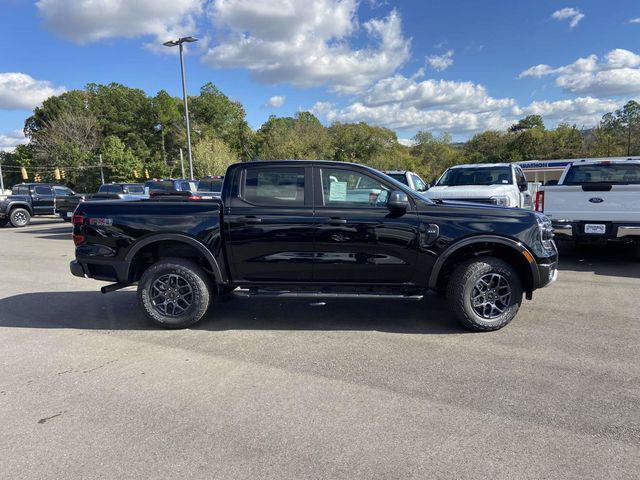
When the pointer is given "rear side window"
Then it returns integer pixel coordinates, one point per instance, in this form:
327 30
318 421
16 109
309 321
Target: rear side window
134 189
42 190
274 186
20 190
420 186
160 186
62 191
103 189
616 173
401 177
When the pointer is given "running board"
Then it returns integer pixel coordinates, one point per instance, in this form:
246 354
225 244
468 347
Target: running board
269 293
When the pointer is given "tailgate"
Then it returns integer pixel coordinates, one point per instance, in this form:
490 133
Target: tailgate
616 203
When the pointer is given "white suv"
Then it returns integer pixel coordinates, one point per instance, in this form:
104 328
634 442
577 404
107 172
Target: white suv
502 184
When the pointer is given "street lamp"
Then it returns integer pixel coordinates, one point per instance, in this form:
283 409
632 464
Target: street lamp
174 43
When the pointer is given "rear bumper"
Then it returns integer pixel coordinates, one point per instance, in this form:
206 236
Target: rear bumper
614 231
109 271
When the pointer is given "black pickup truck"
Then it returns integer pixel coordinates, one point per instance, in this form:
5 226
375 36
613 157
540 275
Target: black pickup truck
320 228
30 199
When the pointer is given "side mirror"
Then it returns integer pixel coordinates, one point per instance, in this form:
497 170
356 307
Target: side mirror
398 201
523 187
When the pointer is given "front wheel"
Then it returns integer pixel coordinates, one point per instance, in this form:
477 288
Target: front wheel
174 293
484 293
19 217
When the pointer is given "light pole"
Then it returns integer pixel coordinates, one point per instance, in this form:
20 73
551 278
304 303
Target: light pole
173 43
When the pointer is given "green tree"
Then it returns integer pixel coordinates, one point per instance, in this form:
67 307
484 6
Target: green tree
299 137
211 156
359 142
528 122
435 155
488 147
123 165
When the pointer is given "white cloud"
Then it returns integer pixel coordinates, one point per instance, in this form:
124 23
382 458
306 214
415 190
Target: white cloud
618 73
276 101
9 141
21 91
407 142
460 108
635 20
84 21
568 13
441 62
306 43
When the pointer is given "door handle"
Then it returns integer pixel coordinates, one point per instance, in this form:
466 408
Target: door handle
336 221
250 219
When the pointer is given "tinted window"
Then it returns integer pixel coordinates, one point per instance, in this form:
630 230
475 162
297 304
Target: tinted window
63 191
210 185
619 173
41 190
476 176
115 189
274 186
343 187
20 190
103 189
160 186
400 177
520 178
187 186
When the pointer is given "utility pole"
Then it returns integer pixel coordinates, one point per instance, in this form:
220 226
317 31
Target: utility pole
1 181
173 43
182 163
101 170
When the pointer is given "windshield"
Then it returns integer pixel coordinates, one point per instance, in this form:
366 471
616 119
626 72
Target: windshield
618 173
400 177
475 176
135 189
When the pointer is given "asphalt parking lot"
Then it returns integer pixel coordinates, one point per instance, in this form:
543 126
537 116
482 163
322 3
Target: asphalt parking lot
269 389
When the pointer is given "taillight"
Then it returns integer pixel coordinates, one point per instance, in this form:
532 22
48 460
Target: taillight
194 197
78 221
540 201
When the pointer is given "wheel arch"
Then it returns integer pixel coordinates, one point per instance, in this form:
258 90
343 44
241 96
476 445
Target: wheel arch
169 242
24 205
508 249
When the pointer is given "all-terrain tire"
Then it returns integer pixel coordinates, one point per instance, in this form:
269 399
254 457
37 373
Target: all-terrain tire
461 286
19 217
191 276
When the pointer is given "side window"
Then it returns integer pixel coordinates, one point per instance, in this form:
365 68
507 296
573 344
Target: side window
348 188
62 191
520 178
420 185
274 186
103 189
42 190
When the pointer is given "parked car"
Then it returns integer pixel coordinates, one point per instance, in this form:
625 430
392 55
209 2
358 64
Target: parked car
502 184
170 185
120 191
32 199
294 228
410 179
211 184
595 201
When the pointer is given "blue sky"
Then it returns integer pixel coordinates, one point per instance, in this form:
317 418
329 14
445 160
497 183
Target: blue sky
445 66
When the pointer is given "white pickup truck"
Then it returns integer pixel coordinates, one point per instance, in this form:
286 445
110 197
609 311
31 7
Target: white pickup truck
502 184
595 201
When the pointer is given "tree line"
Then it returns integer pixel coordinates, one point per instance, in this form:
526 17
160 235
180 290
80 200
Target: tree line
138 136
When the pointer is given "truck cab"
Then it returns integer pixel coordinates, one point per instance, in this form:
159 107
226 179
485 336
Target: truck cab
502 184
32 199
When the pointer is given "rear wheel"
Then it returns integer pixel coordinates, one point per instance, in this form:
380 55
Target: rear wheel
484 293
19 217
174 293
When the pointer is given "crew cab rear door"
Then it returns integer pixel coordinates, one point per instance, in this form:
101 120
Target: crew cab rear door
359 240
42 200
269 223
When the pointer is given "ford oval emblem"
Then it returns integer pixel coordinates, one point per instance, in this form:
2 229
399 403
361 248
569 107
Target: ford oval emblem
596 200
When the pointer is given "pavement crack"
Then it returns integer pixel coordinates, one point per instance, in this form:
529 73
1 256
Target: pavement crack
46 419
98 367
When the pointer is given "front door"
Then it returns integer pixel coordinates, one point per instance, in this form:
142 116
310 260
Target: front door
43 200
269 224
359 240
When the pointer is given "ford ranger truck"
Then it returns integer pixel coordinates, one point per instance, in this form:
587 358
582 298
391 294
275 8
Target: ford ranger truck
314 228
502 184
595 201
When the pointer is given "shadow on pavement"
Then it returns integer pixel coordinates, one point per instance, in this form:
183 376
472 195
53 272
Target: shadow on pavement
56 233
120 311
609 260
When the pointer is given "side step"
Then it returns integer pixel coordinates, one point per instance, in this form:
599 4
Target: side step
315 294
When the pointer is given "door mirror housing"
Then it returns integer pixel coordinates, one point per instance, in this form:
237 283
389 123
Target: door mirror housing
398 201
523 187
